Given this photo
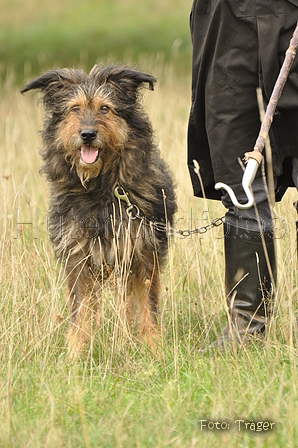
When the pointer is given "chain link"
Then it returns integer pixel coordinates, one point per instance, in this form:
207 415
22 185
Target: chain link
199 230
161 227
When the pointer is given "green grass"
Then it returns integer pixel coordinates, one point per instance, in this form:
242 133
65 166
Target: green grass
35 36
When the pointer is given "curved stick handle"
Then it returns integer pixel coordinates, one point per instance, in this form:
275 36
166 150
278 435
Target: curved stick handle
248 178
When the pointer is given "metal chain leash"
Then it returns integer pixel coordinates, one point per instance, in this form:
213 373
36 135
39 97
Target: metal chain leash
161 227
199 230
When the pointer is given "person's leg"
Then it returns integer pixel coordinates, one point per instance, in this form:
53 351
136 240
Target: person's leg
250 267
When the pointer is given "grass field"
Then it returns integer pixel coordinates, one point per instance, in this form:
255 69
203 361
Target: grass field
122 395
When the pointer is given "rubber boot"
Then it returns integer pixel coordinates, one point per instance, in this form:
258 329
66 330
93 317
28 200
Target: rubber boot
250 278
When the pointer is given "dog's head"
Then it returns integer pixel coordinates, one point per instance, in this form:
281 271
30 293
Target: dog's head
90 116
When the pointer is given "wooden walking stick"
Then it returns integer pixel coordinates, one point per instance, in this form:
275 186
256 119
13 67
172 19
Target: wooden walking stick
254 158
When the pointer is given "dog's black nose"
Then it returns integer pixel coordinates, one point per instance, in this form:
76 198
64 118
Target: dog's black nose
88 135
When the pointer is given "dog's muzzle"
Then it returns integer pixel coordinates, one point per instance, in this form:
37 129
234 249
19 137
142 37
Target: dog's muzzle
89 153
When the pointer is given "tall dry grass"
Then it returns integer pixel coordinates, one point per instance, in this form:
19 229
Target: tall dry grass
121 395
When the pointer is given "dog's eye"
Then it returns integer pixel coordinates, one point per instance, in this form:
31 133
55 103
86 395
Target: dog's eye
104 109
75 109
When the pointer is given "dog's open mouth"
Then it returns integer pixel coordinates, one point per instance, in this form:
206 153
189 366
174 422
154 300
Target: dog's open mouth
89 153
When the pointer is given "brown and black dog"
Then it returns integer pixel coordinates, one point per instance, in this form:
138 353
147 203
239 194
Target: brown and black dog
108 188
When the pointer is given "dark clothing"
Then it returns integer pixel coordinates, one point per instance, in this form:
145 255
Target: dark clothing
238 46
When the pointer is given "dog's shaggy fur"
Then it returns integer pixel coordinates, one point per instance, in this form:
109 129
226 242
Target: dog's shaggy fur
96 137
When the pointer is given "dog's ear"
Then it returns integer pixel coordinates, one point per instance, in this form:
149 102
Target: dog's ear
127 78
128 83
131 79
124 81
55 86
44 81
56 78
51 84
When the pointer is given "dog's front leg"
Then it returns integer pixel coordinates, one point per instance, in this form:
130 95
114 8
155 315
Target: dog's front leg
145 286
82 306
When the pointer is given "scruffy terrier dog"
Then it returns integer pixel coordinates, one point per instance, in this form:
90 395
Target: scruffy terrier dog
108 188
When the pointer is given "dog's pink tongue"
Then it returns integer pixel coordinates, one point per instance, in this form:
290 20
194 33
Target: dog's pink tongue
89 153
